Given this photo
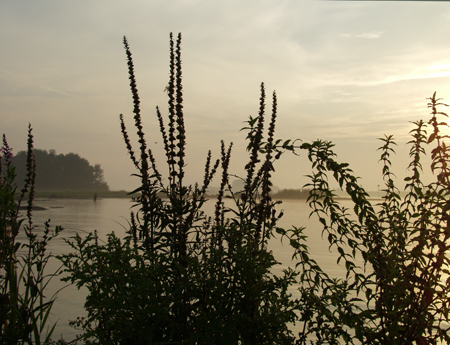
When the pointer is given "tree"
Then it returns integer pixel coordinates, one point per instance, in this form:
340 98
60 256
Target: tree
62 172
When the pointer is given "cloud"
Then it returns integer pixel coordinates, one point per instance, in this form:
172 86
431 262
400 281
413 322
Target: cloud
19 85
420 72
340 69
368 35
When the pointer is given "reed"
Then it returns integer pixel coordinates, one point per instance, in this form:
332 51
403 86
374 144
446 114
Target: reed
23 279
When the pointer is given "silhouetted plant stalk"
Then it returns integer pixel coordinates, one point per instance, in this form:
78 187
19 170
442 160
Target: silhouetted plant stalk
23 280
194 278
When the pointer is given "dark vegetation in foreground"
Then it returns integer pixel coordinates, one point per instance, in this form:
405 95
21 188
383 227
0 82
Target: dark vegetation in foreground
182 277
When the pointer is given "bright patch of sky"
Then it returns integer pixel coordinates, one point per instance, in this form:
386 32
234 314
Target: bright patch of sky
347 71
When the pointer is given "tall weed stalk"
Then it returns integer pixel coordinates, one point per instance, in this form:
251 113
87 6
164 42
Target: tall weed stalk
182 276
24 308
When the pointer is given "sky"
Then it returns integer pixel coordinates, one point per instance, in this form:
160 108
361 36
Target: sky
345 71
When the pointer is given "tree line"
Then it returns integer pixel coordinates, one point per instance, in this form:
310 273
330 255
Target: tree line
61 171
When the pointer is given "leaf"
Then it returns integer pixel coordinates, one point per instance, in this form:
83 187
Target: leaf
431 138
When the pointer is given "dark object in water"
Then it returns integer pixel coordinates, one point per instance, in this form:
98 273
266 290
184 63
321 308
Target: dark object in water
35 208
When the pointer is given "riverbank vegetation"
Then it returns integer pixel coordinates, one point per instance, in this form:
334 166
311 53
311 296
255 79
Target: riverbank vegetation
291 194
282 194
84 194
181 276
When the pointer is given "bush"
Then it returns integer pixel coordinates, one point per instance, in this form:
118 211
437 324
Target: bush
181 276
400 292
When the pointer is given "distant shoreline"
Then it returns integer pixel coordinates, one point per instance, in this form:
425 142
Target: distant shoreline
285 194
76 194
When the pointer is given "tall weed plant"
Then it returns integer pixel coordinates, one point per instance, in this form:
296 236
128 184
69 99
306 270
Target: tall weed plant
397 284
24 313
182 276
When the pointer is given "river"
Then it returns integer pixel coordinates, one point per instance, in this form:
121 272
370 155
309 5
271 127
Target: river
107 215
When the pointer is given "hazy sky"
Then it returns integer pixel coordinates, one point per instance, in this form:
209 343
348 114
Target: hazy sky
346 71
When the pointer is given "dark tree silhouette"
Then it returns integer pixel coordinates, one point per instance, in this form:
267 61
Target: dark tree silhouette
61 172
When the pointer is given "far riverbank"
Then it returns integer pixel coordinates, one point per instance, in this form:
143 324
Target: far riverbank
283 194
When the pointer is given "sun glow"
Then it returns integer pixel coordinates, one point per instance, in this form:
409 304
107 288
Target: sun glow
439 71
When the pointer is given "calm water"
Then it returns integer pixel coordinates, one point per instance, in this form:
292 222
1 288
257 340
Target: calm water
107 215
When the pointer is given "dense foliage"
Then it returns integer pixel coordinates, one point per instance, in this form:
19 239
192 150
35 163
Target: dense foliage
397 286
61 171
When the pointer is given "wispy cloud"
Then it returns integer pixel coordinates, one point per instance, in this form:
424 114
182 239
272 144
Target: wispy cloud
368 35
19 85
430 72
345 66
